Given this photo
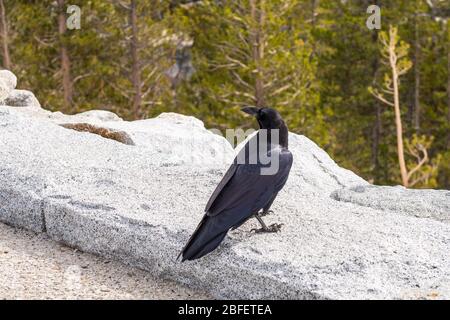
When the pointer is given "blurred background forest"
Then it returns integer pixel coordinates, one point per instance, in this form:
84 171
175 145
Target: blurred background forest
316 61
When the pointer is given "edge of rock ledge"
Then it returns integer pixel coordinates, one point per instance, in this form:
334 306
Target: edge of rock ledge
147 246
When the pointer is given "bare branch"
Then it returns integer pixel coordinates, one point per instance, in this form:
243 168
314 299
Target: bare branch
423 177
121 91
150 88
421 162
245 94
388 90
222 66
240 80
280 90
240 63
123 5
149 76
155 103
242 38
381 98
227 47
47 44
78 78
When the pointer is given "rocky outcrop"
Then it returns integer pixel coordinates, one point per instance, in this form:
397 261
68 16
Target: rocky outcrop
21 98
342 238
417 203
8 82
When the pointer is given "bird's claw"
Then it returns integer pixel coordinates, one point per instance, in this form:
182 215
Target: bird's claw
276 227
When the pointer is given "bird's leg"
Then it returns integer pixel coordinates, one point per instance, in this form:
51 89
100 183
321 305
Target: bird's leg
265 213
264 228
266 210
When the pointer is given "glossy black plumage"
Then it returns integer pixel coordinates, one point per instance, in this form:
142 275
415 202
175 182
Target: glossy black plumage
243 190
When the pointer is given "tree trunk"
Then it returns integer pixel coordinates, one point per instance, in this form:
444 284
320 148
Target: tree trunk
376 137
135 67
416 116
376 129
398 120
447 177
314 4
257 40
5 39
448 83
65 60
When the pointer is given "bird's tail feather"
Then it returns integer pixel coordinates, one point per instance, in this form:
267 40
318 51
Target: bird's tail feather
204 240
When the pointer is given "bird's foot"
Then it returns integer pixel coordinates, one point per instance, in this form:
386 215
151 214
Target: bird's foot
276 227
265 213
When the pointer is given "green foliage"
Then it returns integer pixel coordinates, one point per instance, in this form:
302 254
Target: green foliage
316 62
228 67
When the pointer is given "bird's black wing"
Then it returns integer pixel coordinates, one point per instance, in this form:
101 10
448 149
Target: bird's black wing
244 154
249 189
226 178
245 192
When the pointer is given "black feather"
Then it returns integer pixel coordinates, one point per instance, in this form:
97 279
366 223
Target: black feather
242 192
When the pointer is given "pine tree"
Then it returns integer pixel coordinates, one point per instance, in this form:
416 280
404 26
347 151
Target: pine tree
145 52
255 53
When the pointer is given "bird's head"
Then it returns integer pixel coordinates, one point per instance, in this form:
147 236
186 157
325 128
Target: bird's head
267 118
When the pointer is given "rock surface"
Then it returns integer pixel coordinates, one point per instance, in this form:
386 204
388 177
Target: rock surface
35 267
418 203
21 98
342 237
8 82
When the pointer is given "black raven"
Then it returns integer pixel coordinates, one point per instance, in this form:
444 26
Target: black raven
252 183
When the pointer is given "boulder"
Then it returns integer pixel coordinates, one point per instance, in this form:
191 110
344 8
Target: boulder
420 203
97 115
342 238
22 98
8 82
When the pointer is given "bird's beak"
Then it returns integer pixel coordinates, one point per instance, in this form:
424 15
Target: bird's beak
253 111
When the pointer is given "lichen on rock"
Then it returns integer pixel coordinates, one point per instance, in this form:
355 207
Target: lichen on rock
117 135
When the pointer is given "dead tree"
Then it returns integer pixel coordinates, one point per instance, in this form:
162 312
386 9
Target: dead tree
394 53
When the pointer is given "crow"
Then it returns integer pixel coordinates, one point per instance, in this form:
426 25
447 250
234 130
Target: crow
250 185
